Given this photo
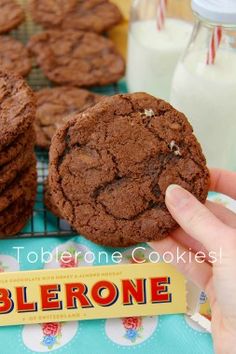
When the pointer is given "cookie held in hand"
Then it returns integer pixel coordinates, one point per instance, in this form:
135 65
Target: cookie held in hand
111 165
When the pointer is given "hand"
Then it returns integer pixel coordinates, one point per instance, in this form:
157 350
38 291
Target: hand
208 228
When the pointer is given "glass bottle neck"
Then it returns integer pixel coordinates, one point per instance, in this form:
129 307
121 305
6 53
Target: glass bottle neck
209 24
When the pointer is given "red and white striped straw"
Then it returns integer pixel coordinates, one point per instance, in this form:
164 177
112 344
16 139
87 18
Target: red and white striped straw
161 14
214 45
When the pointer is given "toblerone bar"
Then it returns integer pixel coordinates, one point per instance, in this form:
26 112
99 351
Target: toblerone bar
91 293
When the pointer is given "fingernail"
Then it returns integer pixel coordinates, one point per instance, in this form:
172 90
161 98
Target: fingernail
177 196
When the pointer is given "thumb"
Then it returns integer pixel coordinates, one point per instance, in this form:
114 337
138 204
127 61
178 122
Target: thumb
196 219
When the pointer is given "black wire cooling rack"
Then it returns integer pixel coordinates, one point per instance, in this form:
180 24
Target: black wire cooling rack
43 222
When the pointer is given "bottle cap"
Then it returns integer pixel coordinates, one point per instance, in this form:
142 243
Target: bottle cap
219 11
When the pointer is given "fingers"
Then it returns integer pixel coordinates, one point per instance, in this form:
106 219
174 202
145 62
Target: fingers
223 182
185 261
182 238
195 219
225 215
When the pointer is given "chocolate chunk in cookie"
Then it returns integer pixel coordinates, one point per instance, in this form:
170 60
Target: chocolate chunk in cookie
87 15
110 167
11 15
77 58
17 107
14 56
55 106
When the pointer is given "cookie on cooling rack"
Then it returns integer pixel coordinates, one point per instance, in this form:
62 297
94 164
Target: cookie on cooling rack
77 58
110 167
11 15
54 107
17 137
87 15
48 200
10 152
16 202
18 108
14 56
9 171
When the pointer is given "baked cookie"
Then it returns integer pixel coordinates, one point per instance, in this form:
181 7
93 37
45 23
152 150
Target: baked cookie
11 151
22 204
17 104
86 15
11 15
14 56
9 171
18 224
110 167
55 105
48 200
77 58
23 182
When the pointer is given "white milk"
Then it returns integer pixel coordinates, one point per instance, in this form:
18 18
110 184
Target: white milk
153 55
207 95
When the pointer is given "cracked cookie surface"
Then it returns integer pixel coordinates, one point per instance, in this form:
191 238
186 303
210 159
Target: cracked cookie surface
87 15
14 56
55 106
17 107
110 167
11 151
77 58
11 15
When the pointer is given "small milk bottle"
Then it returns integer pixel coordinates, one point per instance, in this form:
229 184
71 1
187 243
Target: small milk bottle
158 35
204 83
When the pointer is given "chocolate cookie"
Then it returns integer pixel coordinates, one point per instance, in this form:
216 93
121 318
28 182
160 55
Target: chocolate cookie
87 15
11 15
18 224
17 107
110 167
22 204
55 105
24 181
48 200
9 171
14 56
77 58
11 151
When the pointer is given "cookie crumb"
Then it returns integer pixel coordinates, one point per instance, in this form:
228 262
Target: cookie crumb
175 148
149 113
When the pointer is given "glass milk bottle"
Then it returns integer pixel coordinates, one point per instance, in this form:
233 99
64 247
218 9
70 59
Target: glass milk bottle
158 35
204 84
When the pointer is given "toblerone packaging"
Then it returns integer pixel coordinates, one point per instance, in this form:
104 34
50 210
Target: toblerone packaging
94 293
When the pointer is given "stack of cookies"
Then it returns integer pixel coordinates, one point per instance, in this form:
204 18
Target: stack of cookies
18 177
